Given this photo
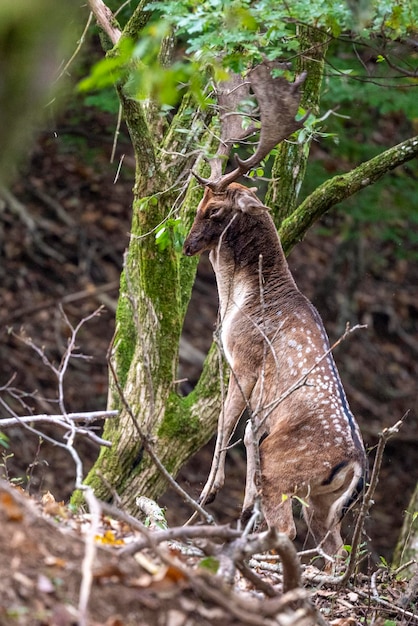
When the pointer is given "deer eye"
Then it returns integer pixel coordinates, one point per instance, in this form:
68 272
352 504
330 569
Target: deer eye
216 213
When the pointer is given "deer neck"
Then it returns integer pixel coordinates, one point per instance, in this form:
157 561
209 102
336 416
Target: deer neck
248 261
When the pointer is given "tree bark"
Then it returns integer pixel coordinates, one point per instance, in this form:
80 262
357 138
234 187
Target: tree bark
407 547
340 187
289 166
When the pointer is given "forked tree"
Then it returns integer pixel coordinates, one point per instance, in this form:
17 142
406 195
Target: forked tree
158 428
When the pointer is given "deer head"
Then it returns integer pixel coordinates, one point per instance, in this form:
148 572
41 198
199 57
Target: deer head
224 199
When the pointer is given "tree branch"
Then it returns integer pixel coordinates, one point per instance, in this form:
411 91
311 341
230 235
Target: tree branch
341 187
105 20
63 422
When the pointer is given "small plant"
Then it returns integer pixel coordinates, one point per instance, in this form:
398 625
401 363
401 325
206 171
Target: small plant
171 233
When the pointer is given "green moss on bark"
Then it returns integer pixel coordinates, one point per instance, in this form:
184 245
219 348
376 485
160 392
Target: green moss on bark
178 422
125 341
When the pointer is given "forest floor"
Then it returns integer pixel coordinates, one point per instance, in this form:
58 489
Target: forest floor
65 227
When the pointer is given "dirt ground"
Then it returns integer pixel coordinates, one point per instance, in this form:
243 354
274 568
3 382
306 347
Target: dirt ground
64 229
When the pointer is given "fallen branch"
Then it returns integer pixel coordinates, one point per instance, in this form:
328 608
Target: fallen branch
244 547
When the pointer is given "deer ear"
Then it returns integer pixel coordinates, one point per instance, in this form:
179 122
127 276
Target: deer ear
249 203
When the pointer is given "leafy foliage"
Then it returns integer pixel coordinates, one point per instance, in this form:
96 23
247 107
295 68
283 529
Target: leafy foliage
243 31
233 35
357 88
171 233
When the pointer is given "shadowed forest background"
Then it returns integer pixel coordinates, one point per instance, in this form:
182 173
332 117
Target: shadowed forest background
64 229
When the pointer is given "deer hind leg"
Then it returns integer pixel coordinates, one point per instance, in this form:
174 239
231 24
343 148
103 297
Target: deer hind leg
326 506
277 498
324 525
235 404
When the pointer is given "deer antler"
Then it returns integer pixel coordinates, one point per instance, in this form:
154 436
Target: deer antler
229 95
278 101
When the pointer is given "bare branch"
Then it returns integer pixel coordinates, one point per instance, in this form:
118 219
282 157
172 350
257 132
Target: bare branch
105 20
302 380
77 50
88 416
62 422
367 503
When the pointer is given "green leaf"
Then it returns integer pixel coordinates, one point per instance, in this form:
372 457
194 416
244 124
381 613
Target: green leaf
4 441
209 563
171 233
109 70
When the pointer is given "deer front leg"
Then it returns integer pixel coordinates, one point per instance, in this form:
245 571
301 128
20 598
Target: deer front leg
235 404
252 468
253 476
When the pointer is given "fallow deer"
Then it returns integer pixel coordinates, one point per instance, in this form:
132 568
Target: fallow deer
276 346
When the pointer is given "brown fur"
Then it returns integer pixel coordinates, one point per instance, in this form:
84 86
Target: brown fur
272 335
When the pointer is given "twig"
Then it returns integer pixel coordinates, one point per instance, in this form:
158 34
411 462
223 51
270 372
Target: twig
393 607
62 421
411 591
302 380
255 580
78 48
115 140
185 533
92 292
367 501
89 554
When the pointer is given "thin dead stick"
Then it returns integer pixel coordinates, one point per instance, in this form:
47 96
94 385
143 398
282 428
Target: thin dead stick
78 48
302 380
115 140
413 617
62 422
94 292
185 533
89 556
367 501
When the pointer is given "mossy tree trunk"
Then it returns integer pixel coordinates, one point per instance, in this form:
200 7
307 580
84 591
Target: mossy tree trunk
156 287
154 293
407 546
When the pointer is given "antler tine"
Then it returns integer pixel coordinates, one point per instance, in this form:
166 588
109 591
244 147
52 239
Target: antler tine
229 95
278 101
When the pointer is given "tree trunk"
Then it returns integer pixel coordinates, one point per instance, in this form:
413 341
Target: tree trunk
289 167
154 293
407 547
